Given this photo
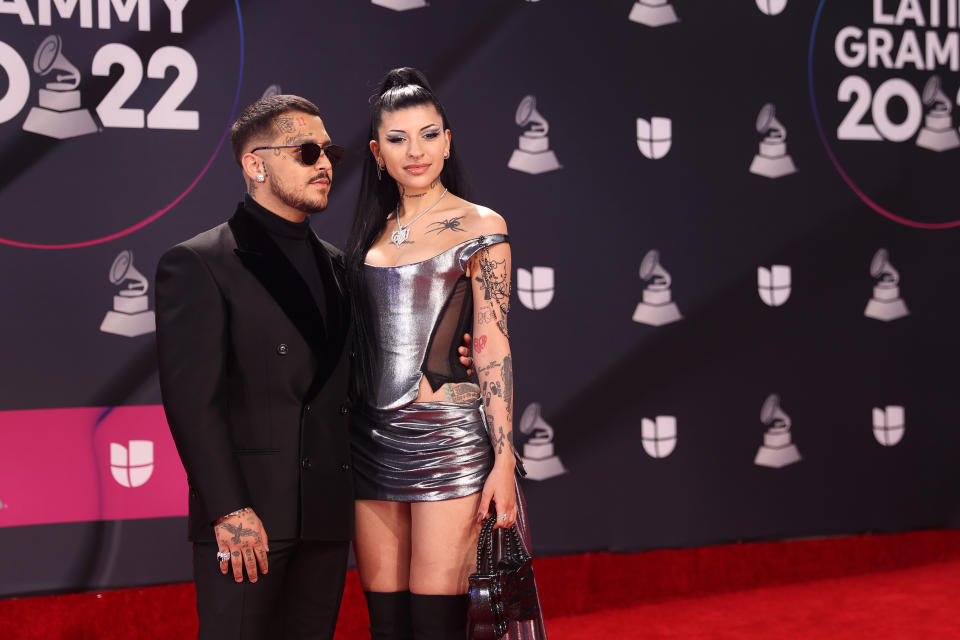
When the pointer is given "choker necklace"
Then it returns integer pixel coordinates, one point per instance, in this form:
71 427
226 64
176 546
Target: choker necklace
400 236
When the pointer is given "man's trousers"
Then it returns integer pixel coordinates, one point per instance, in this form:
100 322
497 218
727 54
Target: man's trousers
299 597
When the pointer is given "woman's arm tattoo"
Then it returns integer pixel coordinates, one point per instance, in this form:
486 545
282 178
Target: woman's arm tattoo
496 287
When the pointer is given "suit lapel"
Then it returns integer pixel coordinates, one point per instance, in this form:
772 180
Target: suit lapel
333 275
268 264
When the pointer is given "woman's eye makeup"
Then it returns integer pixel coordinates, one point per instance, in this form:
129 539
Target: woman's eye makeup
395 139
430 135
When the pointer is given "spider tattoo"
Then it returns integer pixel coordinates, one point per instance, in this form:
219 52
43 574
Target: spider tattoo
450 224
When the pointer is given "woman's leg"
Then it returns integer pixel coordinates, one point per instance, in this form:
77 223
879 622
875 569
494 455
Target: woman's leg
382 549
443 555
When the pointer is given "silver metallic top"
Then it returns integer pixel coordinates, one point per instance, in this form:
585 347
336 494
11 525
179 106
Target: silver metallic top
402 305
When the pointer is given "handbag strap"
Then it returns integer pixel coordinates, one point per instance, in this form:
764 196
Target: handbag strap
513 549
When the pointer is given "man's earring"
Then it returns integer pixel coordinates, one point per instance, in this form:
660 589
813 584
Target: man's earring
379 170
260 177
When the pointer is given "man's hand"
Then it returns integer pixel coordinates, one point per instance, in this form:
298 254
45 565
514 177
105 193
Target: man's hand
464 352
242 536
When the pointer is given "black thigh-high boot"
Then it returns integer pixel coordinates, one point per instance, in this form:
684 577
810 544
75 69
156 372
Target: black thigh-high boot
389 615
439 617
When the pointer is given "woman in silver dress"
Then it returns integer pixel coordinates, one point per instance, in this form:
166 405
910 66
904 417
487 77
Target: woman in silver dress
432 449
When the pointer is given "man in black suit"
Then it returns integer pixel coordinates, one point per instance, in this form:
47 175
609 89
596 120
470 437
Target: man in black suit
252 319
251 323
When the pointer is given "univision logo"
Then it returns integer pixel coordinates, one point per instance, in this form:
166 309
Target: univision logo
535 288
773 284
654 137
659 435
889 424
772 7
131 467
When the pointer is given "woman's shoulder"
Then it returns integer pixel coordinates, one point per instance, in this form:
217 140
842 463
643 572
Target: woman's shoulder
480 220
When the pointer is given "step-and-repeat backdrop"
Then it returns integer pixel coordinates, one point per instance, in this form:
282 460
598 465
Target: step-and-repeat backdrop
734 240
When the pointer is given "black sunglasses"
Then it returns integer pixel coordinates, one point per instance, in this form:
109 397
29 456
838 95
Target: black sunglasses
310 152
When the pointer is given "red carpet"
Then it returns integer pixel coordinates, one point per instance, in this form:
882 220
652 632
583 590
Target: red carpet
900 586
911 604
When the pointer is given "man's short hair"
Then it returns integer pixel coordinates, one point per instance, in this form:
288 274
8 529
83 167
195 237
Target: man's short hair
256 121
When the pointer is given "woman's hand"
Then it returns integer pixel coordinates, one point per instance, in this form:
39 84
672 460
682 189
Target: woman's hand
500 487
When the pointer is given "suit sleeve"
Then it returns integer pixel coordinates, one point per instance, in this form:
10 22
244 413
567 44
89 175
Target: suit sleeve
192 337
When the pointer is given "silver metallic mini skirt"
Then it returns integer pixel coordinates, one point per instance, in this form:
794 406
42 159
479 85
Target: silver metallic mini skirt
421 452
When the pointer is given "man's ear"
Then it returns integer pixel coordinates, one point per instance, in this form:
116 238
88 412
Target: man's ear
252 165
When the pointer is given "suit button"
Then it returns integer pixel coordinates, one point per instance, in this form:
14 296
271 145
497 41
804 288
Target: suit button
283 349
305 463
307 408
344 409
344 467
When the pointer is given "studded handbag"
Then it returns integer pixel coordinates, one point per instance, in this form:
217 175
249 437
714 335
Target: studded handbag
502 590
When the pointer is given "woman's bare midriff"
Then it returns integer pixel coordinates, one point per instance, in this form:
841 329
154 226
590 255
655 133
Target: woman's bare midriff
457 392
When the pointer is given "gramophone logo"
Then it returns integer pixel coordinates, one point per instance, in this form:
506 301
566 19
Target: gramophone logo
657 307
59 114
659 435
131 315
653 13
534 154
772 161
133 466
400 5
937 133
535 288
772 7
773 284
777 449
886 303
272 90
889 424
539 458
654 137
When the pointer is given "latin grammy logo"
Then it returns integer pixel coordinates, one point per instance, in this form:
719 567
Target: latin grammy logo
539 459
937 133
657 307
535 289
59 114
400 5
653 13
659 435
130 315
889 424
772 161
886 303
131 467
654 137
534 154
777 450
773 284
772 7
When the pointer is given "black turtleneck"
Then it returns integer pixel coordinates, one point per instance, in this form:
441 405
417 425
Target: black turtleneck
293 238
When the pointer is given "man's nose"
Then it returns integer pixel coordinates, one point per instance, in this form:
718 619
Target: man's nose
323 162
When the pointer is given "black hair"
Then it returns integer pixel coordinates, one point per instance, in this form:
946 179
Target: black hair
401 88
256 121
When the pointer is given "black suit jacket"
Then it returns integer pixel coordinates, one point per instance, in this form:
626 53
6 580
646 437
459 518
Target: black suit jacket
254 381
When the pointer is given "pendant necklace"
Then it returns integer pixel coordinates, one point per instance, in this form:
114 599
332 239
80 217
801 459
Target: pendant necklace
400 236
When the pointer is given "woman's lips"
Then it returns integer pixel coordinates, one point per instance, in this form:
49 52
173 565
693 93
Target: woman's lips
416 169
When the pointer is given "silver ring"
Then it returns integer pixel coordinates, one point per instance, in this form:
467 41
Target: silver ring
503 517
223 556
